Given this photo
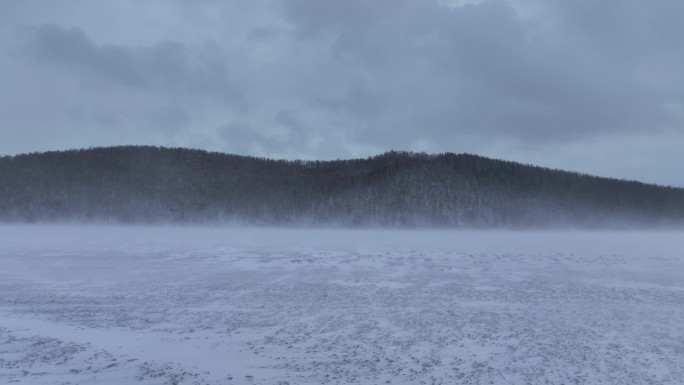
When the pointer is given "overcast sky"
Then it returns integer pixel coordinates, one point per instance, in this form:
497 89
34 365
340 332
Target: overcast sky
590 85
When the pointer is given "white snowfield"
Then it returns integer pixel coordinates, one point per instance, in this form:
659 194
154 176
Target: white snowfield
137 305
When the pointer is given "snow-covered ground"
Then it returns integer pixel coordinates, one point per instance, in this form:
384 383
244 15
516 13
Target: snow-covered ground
128 305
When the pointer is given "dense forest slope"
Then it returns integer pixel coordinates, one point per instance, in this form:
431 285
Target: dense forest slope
136 184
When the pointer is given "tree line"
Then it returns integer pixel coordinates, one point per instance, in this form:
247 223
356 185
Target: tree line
144 184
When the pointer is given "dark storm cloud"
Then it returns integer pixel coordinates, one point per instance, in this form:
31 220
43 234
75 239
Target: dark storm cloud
590 85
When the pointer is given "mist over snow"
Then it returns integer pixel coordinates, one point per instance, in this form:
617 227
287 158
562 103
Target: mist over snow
190 305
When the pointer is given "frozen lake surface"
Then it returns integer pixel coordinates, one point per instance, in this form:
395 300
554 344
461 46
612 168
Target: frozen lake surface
129 305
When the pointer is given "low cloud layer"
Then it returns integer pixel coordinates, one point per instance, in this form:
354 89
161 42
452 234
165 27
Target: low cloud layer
591 86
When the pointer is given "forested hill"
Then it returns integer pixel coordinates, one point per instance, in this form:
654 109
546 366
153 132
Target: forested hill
136 184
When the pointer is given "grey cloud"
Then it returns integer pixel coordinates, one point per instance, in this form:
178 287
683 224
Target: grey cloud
338 78
482 68
63 89
242 137
168 66
249 138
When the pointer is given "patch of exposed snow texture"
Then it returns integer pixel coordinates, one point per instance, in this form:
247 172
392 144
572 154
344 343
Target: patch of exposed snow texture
105 305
